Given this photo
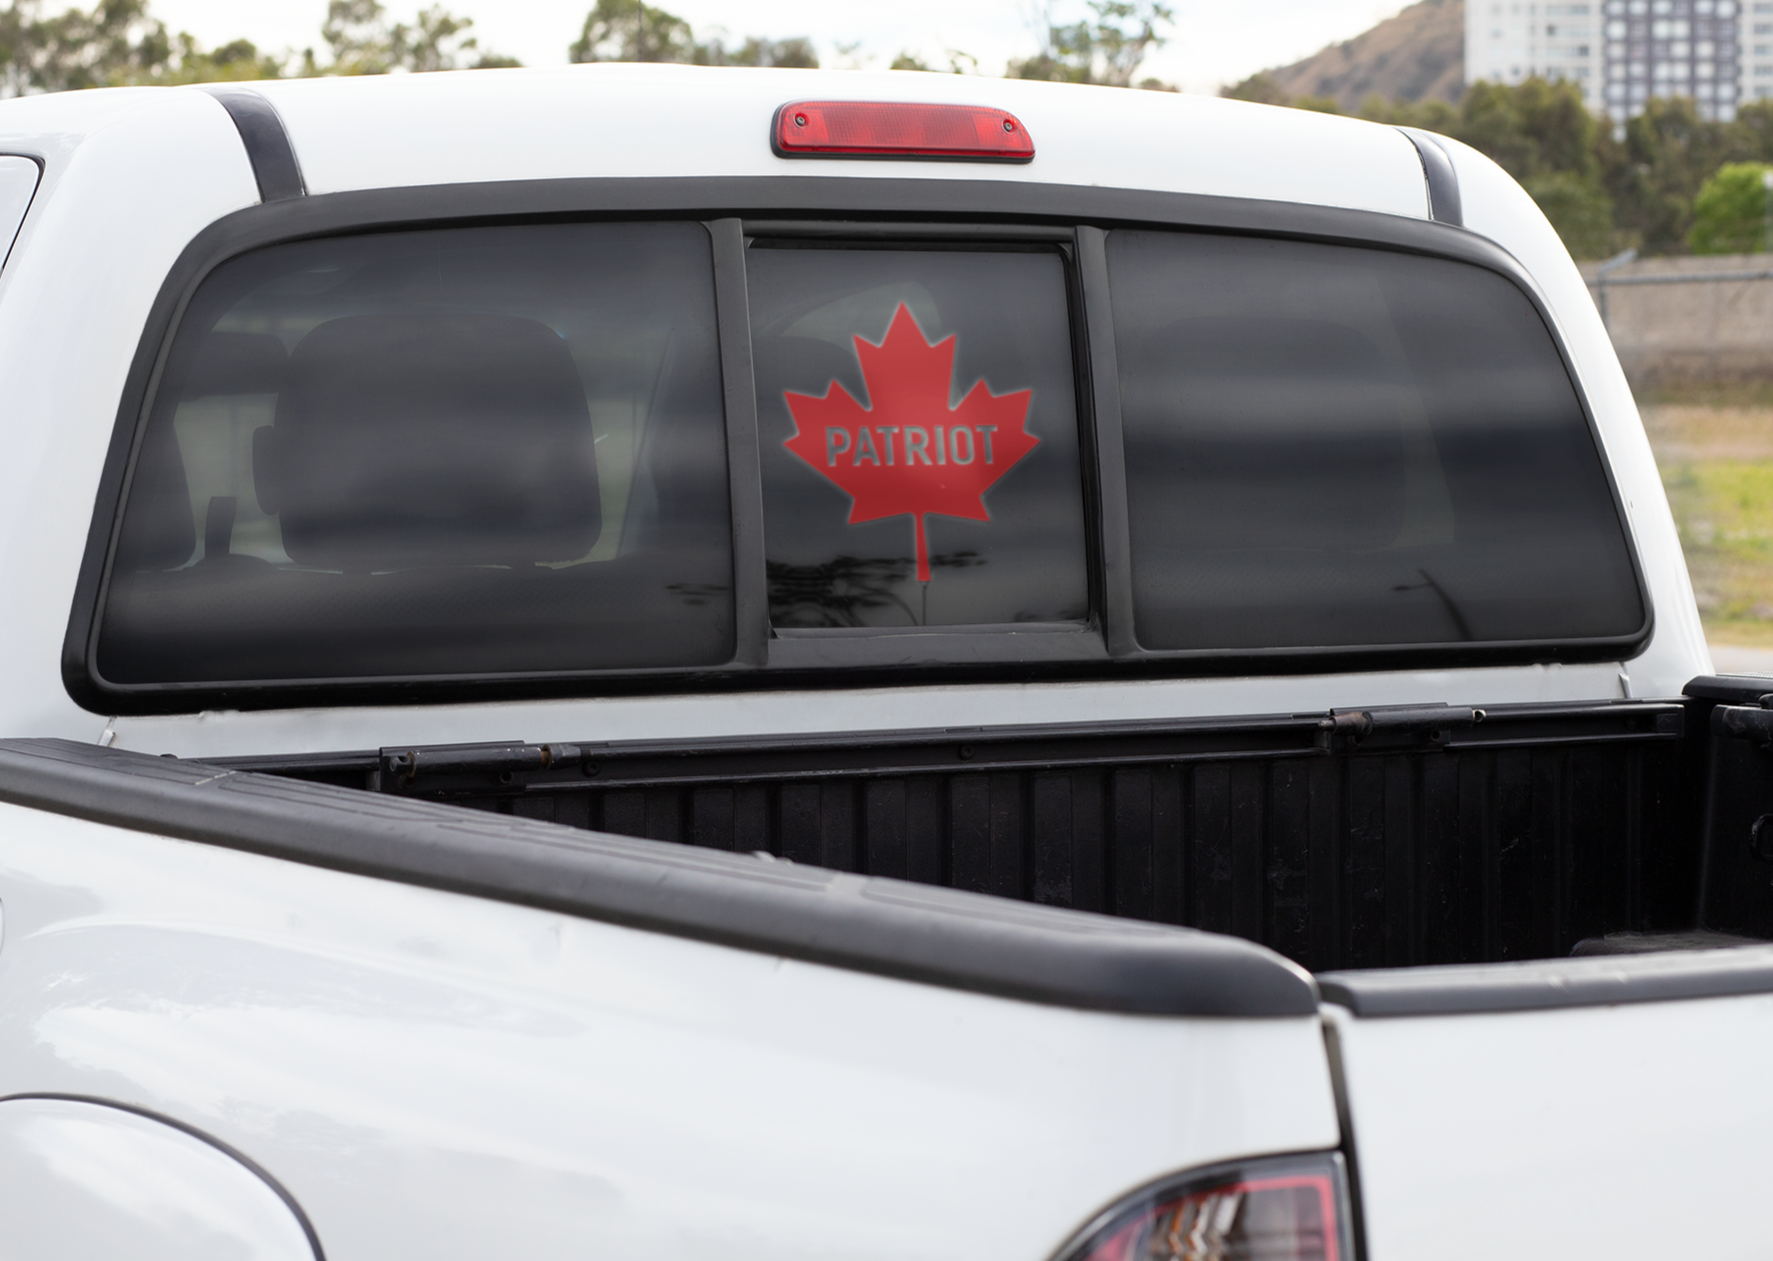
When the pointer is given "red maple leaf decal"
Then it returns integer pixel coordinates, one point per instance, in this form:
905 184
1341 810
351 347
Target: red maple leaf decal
908 451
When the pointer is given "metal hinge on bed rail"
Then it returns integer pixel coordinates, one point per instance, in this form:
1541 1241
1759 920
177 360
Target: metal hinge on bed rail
1395 726
1745 722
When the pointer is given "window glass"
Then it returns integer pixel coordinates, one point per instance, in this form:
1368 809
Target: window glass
469 451
919 439
1331 446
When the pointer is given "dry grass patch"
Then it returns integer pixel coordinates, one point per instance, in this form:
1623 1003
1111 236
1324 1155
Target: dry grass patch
1715 450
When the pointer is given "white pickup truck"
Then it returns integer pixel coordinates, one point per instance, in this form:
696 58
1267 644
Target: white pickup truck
663 663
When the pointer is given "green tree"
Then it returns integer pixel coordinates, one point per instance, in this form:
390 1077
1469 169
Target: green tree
1532 129
630 30
362 41
958 63
1259 88
1641 186
789 54
1754 130
233 62
1579 209
434 42
13 42
1108 50
1540 132
1433 115
116 43
356 33
1654 173
1730 211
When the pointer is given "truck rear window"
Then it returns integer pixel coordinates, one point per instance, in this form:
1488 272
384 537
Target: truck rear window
1330 446
452 452
501 452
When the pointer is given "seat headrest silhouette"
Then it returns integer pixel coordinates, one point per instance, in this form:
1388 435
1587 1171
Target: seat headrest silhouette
425 440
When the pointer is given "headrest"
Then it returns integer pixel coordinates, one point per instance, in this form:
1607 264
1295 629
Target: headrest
414 440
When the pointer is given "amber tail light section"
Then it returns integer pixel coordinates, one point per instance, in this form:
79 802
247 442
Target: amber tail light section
893 129
1289 1209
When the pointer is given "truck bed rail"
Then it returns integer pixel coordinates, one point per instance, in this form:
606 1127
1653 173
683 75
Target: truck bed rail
937 936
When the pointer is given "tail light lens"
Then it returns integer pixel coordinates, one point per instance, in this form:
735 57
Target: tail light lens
892 129
1291 1209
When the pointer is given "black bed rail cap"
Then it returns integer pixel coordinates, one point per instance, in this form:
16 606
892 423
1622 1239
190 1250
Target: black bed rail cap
945 937
1598 981
1732 689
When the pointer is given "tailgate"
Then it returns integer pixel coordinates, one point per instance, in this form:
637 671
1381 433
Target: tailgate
1574 1108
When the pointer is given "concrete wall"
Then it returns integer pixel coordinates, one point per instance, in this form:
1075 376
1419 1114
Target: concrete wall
1700 330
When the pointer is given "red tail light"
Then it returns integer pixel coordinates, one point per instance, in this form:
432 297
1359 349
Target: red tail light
1294 1209
886 129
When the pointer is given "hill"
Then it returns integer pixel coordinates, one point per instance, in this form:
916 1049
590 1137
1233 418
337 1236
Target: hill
1415 56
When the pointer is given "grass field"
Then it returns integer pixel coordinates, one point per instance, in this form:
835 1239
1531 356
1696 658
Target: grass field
1715 448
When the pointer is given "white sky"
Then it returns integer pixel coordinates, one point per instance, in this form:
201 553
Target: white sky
1213 41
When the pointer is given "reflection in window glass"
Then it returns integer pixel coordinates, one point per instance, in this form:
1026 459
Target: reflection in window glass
469 451
1329 446
919 439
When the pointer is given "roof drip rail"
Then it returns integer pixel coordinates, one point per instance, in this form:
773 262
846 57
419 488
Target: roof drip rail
1437 171
261 129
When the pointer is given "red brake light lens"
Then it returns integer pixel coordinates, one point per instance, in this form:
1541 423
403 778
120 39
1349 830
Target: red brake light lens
1287 1210
888 129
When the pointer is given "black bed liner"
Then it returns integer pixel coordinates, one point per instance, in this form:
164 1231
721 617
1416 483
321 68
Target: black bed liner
1378 837
937 936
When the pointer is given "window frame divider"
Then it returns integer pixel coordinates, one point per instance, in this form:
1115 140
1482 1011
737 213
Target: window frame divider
1114 539
732 305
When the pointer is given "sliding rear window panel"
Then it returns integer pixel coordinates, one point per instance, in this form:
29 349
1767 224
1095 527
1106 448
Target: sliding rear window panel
1073 637
870 208
449 451
1443 493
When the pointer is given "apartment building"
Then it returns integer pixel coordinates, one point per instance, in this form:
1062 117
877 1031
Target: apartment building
1508 41
1757 50
1623 52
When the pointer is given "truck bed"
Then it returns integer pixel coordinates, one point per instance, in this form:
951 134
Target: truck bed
1350 839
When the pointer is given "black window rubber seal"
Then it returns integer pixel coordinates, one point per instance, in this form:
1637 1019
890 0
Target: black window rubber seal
943 937
1444 205
261 130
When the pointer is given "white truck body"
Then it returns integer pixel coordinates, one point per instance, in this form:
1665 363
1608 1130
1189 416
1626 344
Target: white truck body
428 1072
